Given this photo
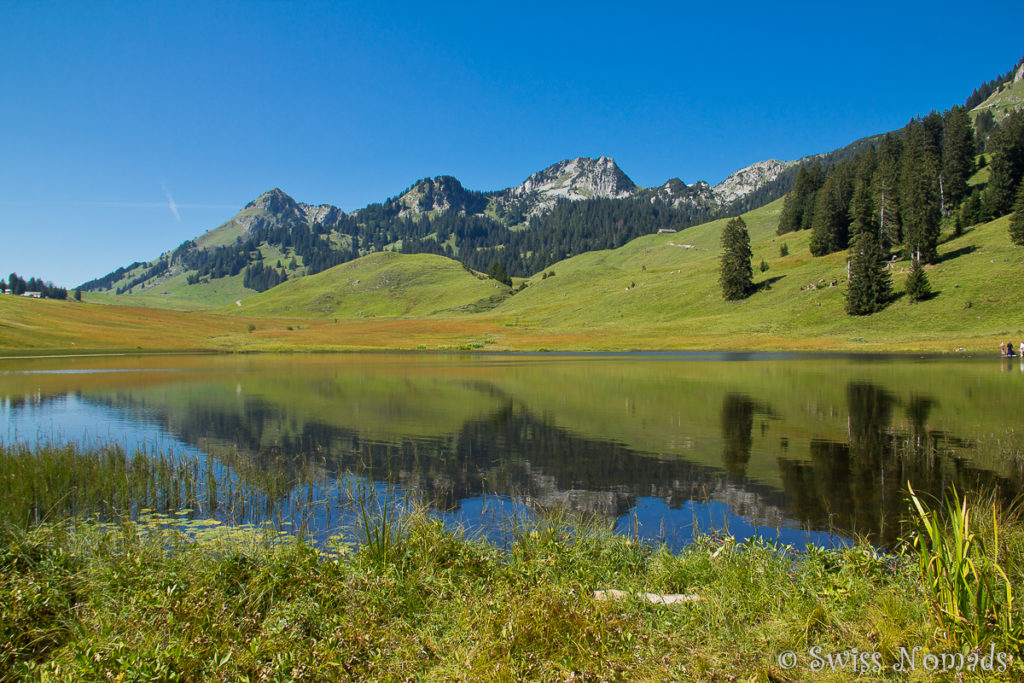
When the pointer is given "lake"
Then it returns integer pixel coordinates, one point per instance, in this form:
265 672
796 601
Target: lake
799 448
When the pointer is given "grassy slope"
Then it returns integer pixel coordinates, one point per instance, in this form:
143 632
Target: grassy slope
381 284
656 292
32 325
1002 102
174 292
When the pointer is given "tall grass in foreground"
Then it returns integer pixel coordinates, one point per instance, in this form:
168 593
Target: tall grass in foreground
53 483
970 593
142 599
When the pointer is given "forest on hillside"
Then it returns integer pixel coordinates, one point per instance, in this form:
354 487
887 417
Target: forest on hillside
893 199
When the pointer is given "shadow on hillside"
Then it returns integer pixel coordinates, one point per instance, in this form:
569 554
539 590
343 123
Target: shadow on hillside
766 285
953 236
949 255
902 294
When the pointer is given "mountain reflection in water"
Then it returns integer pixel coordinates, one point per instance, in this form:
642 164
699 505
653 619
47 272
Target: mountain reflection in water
762 445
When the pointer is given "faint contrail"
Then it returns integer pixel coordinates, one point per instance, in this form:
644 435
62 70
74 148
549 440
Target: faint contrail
119 205
170 202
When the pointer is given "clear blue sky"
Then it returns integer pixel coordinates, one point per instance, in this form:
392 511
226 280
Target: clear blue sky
110 111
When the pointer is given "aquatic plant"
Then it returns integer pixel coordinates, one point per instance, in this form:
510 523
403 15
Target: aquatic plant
971 596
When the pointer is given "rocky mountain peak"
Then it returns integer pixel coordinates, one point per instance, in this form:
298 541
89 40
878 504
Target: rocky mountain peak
440 193
749 179
274 207
273 201
325 214
572 179
580 178
676 193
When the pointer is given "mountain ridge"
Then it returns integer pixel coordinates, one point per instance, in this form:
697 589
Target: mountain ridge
570 207
275 212
576 179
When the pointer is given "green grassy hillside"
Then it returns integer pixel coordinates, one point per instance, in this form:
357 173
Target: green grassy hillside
656 292
1009 97
172 290
382 284
668 284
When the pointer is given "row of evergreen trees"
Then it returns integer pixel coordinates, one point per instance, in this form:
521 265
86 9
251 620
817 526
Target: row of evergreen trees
261 277
18 285
155 270
896 196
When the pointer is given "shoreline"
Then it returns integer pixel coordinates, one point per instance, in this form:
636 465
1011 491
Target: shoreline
790 353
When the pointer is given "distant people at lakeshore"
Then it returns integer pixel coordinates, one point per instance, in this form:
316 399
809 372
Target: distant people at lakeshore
1006 350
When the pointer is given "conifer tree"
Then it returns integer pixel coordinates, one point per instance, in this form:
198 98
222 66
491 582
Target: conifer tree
932 134
831 226
862 203
862 209
1017 220
957 156
970 211
799 203
885 190
918 287
736 274
919 195
984 126
497 272
870 286
1007 165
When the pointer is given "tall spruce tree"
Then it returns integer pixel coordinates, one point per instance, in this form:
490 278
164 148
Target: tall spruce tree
736 274
919 194
831 226
862 203
918 287
984 127
957 157
1017 219
933 131
1007 165
870 285
799 203
885 189
497 272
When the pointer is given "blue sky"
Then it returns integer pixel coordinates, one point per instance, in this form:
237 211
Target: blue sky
130 127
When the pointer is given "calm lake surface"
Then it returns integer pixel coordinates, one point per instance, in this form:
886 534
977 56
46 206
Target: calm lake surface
800 448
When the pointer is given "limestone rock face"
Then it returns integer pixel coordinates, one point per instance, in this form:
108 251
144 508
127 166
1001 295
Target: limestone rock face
274 207
572 180
274 201
322 213
678 194
749 179
439 194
